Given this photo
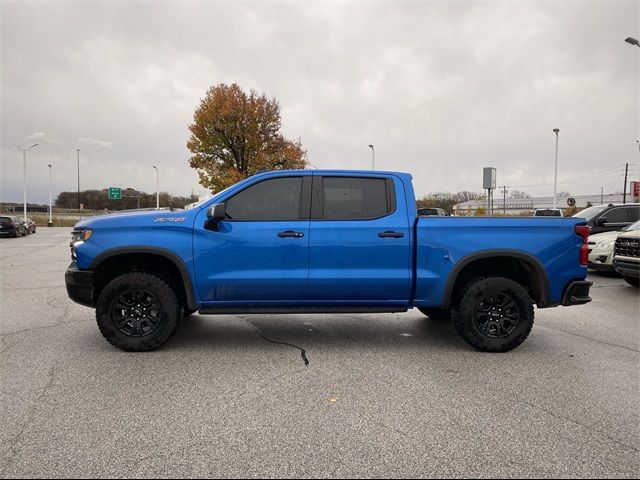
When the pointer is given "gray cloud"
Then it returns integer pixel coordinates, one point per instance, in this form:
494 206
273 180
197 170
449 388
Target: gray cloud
441 89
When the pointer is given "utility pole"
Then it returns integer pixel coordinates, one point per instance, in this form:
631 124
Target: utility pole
601 194
626 170
373 157
504 199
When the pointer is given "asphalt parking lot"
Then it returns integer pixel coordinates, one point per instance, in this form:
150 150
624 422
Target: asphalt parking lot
387 395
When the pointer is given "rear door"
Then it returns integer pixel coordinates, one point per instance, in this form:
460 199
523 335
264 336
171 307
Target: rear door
360 241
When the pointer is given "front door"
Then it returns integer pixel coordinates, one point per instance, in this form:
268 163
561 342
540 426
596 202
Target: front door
259 253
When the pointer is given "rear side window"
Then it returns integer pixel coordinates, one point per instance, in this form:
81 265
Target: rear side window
634 213
5 221
617 215
275 199
353 198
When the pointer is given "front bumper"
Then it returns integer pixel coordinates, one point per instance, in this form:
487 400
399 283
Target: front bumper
577 293
628 268
79 285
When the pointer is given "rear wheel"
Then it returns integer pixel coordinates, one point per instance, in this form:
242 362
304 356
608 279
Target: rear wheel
493 314
137 312
443 314
634 281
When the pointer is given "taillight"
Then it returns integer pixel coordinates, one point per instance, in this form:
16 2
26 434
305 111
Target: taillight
583 231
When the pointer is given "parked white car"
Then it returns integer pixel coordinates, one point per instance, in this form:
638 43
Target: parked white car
626 260
601 246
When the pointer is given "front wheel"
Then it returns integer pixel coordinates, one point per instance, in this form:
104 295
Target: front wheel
633 281
493 314
137 312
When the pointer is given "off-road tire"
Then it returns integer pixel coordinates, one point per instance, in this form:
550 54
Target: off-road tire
633 281
440 314
169 313
474 299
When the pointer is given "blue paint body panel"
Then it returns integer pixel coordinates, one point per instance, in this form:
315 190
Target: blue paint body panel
334 263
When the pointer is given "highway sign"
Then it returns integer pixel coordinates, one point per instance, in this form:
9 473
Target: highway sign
115 193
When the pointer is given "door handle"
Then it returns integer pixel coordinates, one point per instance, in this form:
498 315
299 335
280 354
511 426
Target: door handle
290 234
390 234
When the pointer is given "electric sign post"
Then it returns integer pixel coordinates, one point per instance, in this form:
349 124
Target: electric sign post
489 184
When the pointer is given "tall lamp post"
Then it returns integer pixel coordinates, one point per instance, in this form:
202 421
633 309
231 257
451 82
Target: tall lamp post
555 177
157 187
24 176
373 157
638 142
50 224
78 151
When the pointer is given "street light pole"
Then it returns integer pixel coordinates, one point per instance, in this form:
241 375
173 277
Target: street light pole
373 157
632 41
157 187
555 177
78 151
638 142
24 177
50 224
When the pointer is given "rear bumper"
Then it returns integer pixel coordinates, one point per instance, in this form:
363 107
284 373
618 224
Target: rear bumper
79 285
627 268
577 293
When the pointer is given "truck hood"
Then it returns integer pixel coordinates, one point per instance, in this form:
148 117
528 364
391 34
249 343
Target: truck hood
601 237
139 218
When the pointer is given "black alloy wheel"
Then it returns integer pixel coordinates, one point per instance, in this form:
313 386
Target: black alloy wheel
497 315
136 312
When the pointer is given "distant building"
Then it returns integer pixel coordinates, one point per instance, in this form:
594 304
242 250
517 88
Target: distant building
201 198
526 206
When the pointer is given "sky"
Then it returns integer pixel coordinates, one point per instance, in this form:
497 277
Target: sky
441 89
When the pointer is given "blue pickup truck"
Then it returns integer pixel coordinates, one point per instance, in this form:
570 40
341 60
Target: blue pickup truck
324 241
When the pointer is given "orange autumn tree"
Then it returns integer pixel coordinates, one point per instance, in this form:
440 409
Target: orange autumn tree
236 134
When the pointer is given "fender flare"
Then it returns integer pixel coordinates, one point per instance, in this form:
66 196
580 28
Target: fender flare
540 281
163 252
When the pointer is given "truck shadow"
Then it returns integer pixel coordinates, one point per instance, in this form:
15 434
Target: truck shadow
307 331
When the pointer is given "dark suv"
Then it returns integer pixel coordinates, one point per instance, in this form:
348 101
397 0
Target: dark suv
607 218
12 227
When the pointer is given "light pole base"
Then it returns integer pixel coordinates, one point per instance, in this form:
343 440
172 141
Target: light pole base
49 224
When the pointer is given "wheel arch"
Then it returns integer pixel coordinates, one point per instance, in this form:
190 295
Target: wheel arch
520 266
110 263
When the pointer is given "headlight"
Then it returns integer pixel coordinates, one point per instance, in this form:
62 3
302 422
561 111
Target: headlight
605 245
78 236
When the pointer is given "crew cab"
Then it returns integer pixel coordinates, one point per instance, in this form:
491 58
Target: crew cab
324 241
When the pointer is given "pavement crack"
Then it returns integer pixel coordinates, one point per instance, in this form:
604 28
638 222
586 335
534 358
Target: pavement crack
303 352
592 339
15 443
576 422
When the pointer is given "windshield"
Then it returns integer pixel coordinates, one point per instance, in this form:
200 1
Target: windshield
590 212
633 227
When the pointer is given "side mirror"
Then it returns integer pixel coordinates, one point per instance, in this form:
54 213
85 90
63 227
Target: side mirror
601 221
215 214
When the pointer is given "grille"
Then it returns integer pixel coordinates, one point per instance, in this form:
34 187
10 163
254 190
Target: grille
628 247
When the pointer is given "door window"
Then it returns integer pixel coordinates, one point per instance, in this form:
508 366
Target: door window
353 198
275 199
617 215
